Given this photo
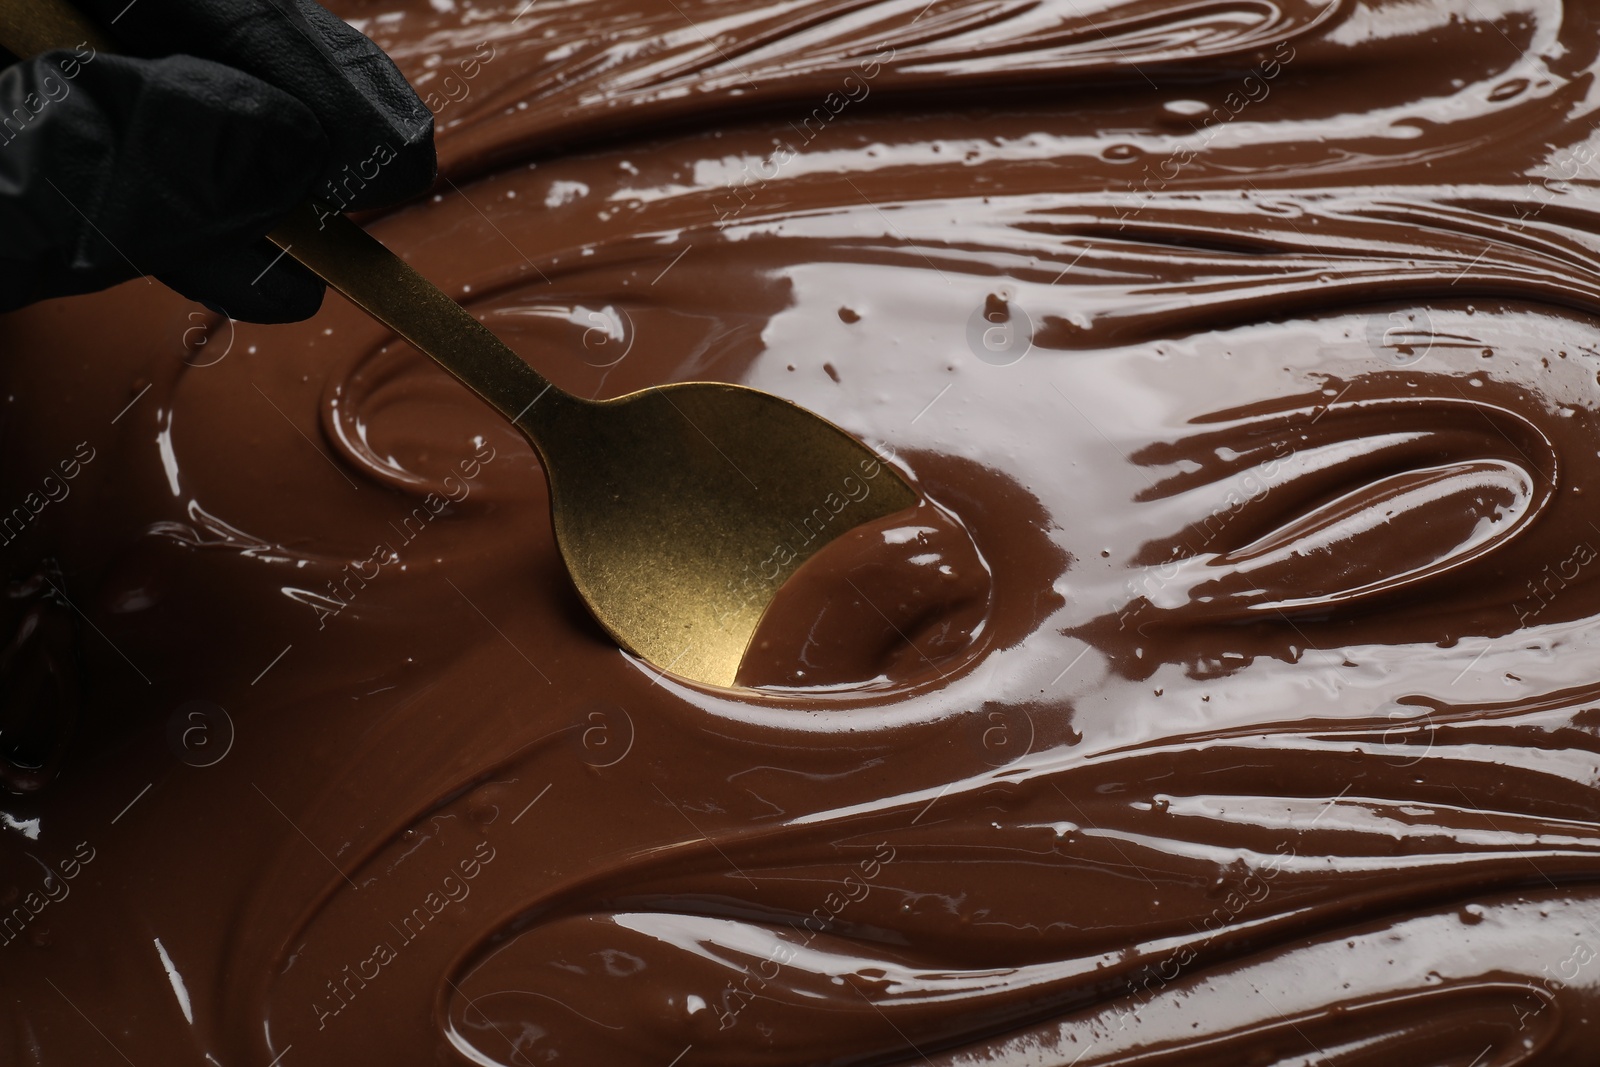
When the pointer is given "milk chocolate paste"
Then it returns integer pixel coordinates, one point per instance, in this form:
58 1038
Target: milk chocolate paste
1232 698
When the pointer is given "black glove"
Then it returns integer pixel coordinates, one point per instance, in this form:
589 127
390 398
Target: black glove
115 166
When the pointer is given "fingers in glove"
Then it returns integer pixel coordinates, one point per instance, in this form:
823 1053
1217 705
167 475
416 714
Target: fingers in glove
141 166
256 282
379 132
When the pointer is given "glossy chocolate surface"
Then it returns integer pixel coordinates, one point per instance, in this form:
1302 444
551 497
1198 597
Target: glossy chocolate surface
1234 697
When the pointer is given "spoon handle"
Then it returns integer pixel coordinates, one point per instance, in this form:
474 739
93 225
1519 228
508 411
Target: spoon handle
383 285
345 256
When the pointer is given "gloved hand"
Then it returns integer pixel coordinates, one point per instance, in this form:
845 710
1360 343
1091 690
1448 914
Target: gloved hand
175 157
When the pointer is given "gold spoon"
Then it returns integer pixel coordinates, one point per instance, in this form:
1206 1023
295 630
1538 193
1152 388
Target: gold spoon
679 510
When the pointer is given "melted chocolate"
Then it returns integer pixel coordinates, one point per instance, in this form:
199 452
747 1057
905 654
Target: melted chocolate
1232 698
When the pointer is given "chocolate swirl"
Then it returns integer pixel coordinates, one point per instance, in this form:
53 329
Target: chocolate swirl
1232 699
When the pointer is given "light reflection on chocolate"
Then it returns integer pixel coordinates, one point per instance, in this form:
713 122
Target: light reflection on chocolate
1258 721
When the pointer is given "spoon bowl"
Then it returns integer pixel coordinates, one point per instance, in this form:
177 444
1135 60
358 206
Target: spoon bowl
679 510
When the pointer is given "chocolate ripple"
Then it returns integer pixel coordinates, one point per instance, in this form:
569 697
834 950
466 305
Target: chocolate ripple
1256 721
